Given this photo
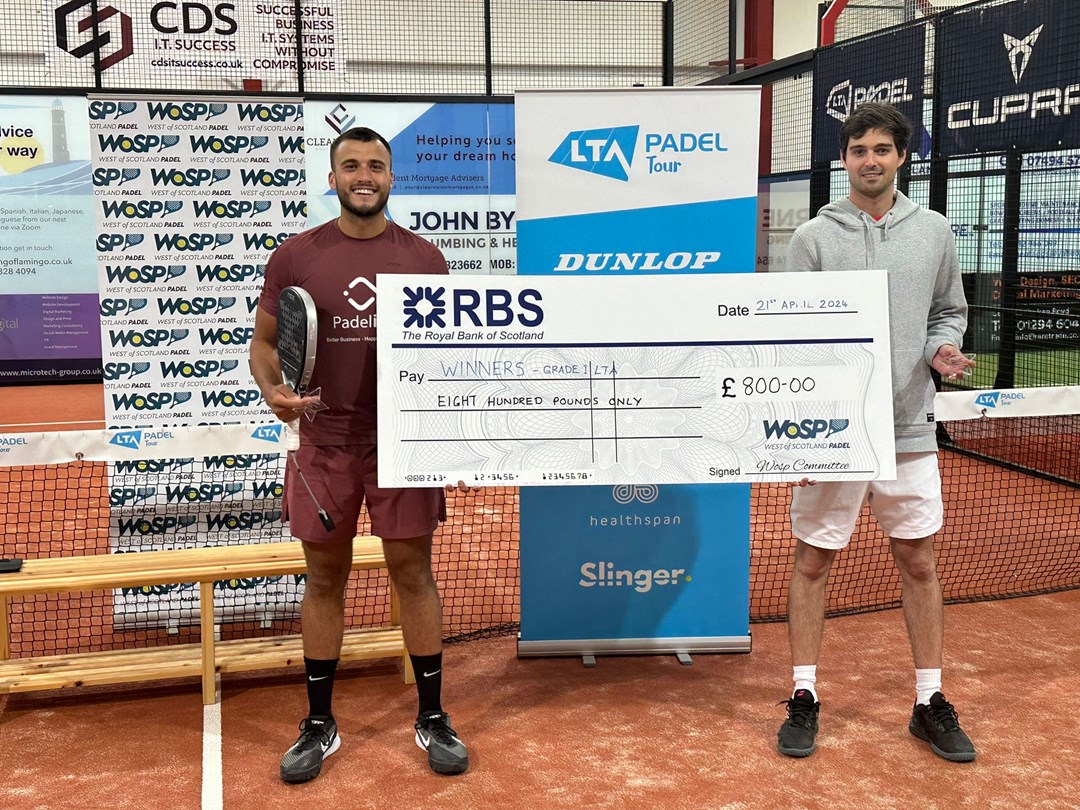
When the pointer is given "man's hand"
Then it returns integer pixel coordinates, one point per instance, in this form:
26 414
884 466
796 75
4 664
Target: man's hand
806 482
951 363
286 405
461 487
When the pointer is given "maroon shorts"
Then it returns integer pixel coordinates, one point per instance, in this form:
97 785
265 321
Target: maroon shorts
342 478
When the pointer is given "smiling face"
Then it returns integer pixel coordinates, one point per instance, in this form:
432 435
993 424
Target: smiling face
871 161
362 178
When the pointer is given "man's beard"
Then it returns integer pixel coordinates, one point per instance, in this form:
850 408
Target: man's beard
374 210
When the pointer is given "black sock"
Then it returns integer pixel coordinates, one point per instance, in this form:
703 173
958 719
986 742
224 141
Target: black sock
428 671
320 685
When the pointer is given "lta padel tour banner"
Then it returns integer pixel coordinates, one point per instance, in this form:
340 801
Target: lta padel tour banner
619 183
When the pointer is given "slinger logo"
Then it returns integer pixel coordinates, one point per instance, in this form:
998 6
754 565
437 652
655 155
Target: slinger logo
1020 52
607 152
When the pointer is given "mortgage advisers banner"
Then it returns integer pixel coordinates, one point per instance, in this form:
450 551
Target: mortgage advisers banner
48 277
887 68
453 170
192 197
636 182
205 44
1010 77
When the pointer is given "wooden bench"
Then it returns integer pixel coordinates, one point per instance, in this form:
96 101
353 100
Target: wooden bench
205 659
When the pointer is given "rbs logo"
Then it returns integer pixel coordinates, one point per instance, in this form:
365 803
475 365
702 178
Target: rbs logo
425 307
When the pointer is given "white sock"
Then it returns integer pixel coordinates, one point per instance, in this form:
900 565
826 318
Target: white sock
927 681
805 677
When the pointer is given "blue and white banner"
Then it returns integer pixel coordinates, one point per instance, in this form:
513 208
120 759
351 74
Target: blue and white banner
636 182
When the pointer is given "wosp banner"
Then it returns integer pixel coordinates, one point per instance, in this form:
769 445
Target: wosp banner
620 182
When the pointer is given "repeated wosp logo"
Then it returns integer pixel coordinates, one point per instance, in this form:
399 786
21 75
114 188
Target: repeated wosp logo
163 524
140 209
241 398
989 399
607 152
145 466
124 371
845 97
187 111
152 401
268 433
199 305
266 241
196 369
107 26
239 462
106 177
143 274
99 110
239 336
127 496
278 178
110 242
137 144
803 429
227 144
196 242
146 338
203 493
277 113
293 208
242 521
230 209
111 307
425 307
271 489
291 145
189 178
231 273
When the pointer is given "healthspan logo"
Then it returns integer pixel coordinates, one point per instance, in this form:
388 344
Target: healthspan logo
628 493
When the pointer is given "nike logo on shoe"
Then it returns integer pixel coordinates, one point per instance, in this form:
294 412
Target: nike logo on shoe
429 674
425 740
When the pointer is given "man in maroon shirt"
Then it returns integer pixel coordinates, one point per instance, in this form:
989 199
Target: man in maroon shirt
336 263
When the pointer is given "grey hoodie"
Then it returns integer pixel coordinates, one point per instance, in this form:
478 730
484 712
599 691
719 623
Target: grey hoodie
927 308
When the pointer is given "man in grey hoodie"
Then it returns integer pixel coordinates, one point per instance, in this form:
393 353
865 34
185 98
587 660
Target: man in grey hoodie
878 228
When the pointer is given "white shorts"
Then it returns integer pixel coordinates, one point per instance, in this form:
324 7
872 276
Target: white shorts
824 515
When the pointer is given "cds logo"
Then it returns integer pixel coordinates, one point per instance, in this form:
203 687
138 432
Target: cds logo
147 337
188 178
988 400
805 429
153 401
230 209
111 307
607 152
242 521
203 493
242 398
844 97
425 307
192 17
163 524
124 371
242 462
193 242
106 25
291 145
139 144
293 208
143 274
202 305
267 433
278 178
232 273
278 113
126 496
108 242
227 145
226 337
266 241
339 119
199 369
99 110
140 209
188 111
106 177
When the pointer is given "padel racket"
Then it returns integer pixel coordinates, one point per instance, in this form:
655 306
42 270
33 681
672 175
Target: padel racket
297 335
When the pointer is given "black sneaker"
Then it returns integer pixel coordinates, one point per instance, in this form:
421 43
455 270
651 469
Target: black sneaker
318 740
446 753
796 737
939 726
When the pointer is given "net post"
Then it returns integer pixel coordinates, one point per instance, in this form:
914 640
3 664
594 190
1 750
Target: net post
206 622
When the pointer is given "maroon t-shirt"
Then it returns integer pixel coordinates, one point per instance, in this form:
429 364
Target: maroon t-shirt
339 274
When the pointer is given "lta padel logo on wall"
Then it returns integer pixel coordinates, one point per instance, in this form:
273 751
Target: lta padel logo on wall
607 152
80 31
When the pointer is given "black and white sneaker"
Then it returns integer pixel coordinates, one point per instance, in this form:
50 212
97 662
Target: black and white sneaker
796 736
939 726
318 739
446 753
